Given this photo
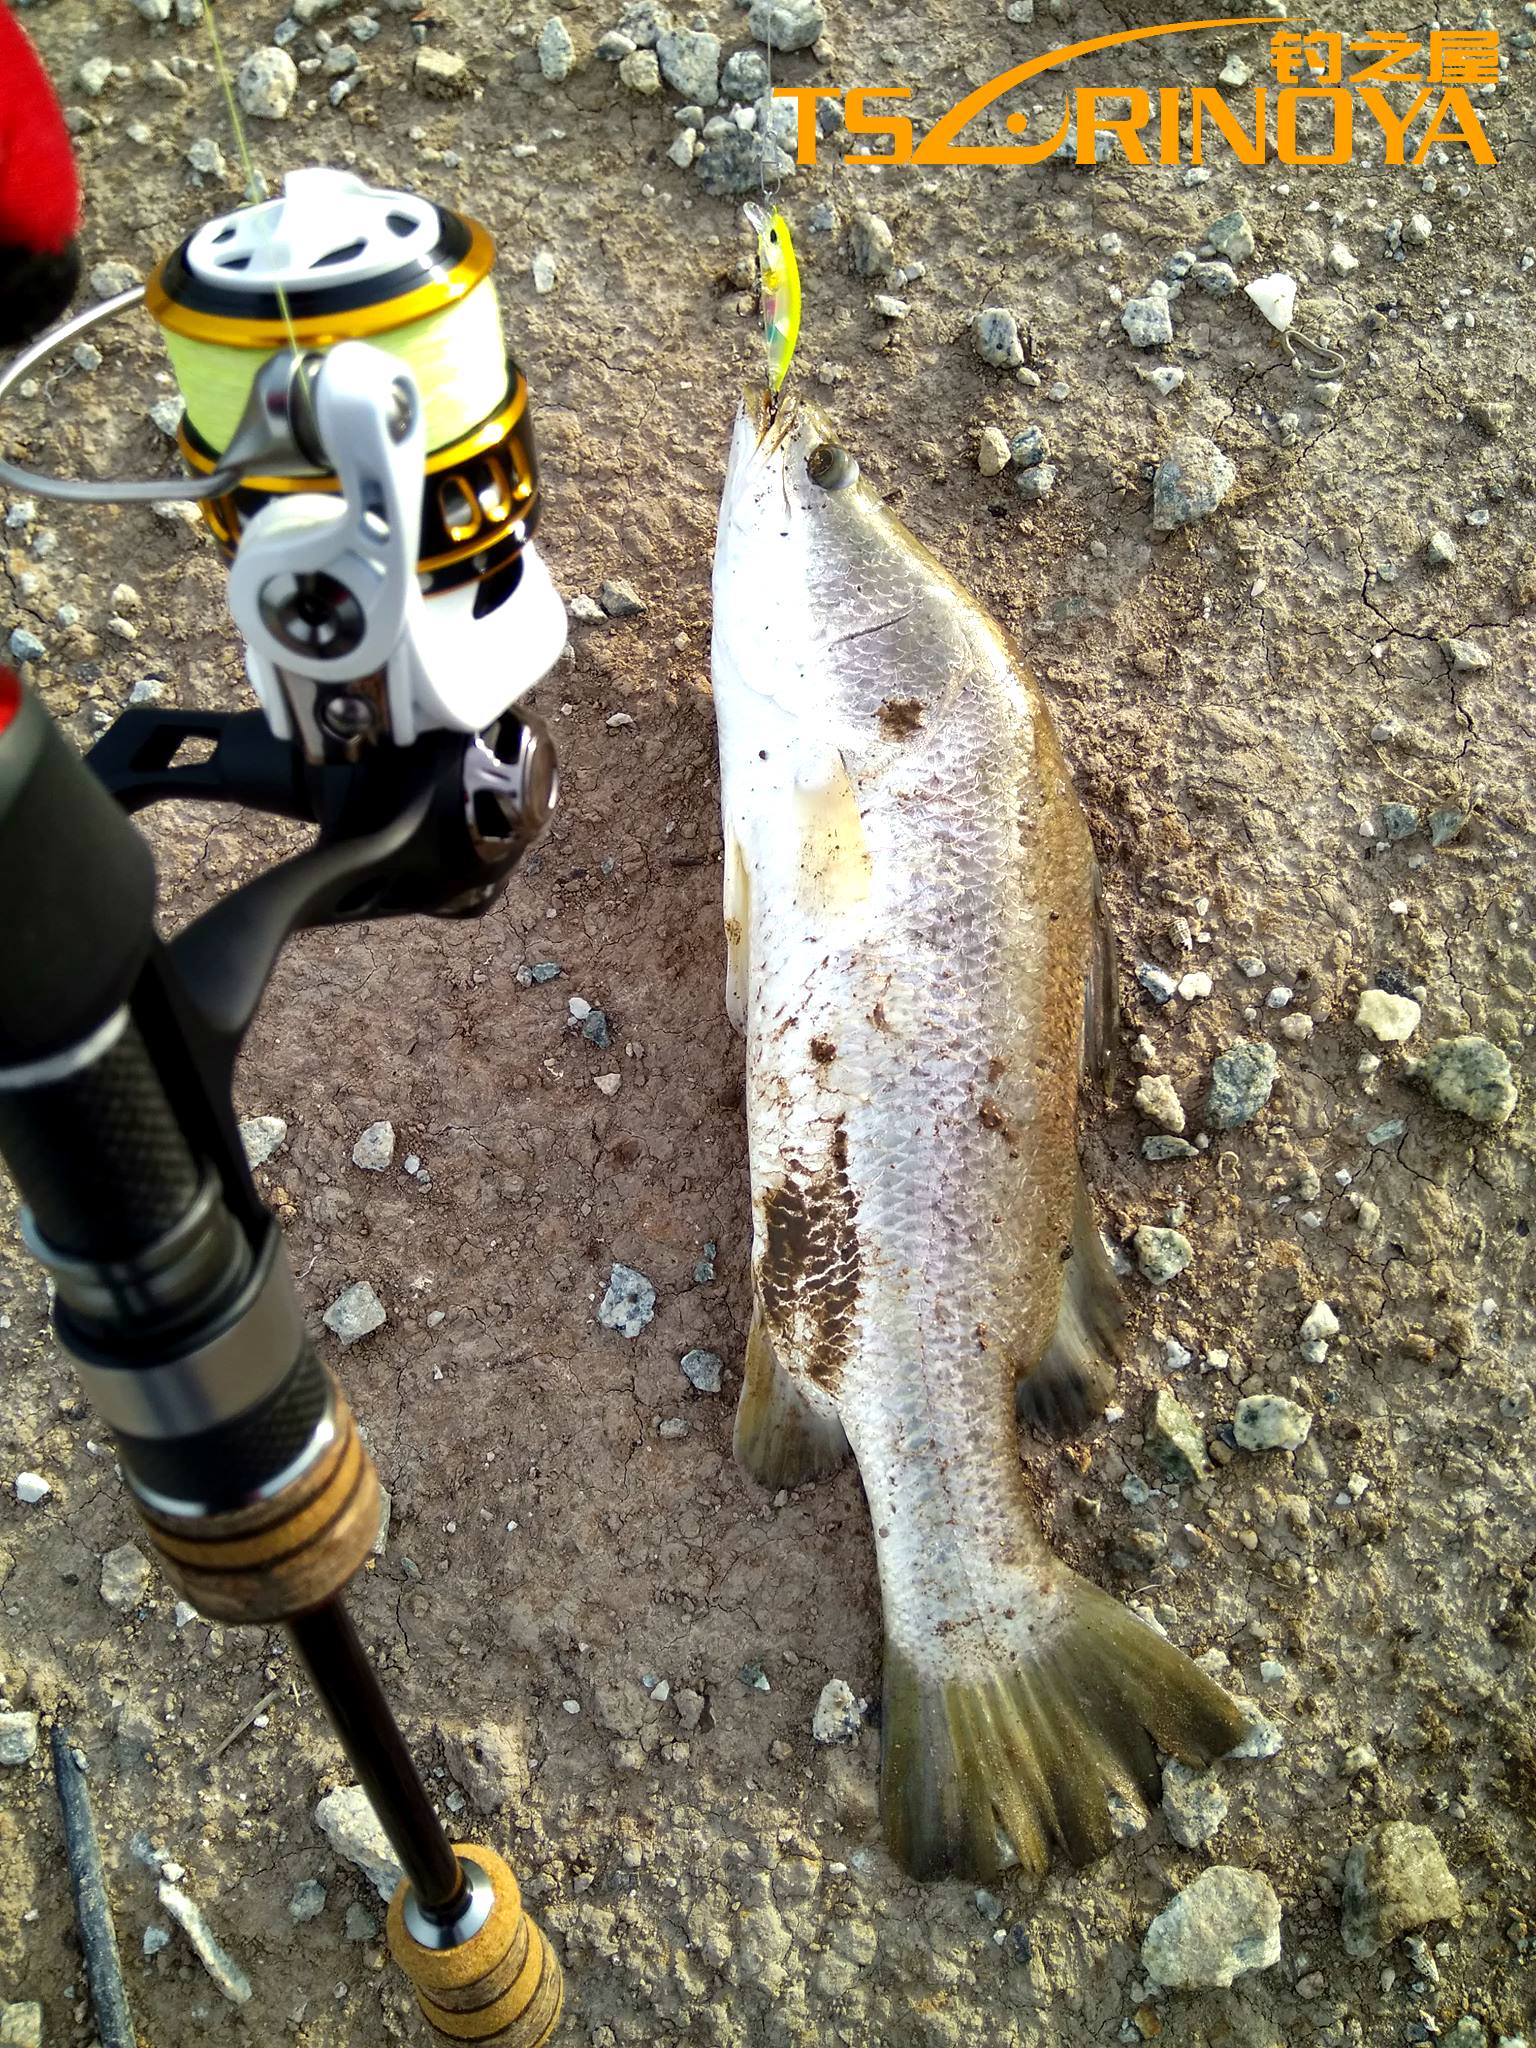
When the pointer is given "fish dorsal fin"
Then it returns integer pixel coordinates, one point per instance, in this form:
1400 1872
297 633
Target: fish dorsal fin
832 853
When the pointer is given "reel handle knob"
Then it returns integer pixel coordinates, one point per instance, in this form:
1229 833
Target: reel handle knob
502 1986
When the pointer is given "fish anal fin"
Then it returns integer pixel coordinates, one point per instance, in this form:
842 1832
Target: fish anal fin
1101 993
834 861
1075 1375
738 930
780 1439
983 1770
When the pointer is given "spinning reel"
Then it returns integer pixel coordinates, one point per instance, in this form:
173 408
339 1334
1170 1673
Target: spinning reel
360 446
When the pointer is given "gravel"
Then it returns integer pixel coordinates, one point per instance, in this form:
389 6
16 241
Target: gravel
440 74
1466 657
1470 1077
31 1488
124 1577
266 83
621 600
261 1136
1387 1018
1174 1439
355 1313
1241 1080
640 71
992 451
1194 1804
1157 1098
629 1303
375 1149
1190 482
1220 1927
746 76
702 1369
995 338
1395 1880
1440 550
1231 237
786 24
1161 1255
347 1820
690 63
836 1718
308 1901
870 245
1148 321
18 1738
21 2024
25 646
556 51
1269 1422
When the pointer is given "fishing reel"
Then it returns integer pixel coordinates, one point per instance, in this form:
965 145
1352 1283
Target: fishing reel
360 445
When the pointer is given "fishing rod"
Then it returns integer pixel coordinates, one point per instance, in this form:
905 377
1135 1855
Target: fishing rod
360 445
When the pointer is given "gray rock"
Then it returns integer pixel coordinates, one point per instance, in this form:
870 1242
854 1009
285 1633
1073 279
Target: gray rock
1269 1422
1161 1255
1466 657
690 63
25 646
21 2024
1148 321
1194 1804
1036 483
94 76
786 24
1161 987
1219 279
556 51
544 970
441 74
18 1738
995 338
640 71
737 160
347 1820
870 245
206 158
1395 1880
112 277
614 47
595 1029
30 1488
124 1577
1174 1439
1163 1145
375 1149
1231 237
1399 821
746 75
261 1136
1190 482
702 1369
355 1313
1157 1098
1224 1924
629 1303
644 22
221 1967
360 1925
266 83
836 1718
1241 1080
621 600
1470 1077
308 1901
1439 549
1445 825
1388 1018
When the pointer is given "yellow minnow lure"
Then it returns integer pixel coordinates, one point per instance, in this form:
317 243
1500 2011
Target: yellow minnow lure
779 288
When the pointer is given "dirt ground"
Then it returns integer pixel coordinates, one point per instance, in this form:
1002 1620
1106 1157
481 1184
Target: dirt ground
1240 698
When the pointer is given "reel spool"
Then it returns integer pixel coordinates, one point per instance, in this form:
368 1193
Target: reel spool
337 260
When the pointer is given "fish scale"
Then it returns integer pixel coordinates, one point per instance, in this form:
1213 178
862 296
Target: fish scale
913 947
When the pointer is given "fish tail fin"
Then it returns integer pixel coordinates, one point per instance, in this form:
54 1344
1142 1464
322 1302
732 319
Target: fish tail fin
980 1771
1075 1375
780 1439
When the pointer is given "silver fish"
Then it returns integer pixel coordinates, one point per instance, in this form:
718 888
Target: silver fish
917 959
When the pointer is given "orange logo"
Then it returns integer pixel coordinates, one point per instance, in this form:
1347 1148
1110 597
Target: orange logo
1176 124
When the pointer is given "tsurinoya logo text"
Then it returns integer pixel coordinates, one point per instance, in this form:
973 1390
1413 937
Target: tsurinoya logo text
1414 92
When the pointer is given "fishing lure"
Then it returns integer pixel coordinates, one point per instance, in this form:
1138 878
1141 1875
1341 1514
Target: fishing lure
779 290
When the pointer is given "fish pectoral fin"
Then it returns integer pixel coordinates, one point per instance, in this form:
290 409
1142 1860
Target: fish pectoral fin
989 1768
738 930
1075 1375
1101 994
780 1439
833 854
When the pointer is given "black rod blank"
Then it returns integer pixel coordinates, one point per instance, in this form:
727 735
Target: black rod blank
93 1909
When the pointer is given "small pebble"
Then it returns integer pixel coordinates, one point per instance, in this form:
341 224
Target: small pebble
1231 237
995 337
556 51
30 1488
1390 1019
620 600
1275 298
702 1369
1224 1924
308 1901
1161 1254
1194 1804
1269 1422
1190 482
375 1149
629 1303
1148 321
1470 1077
355 1313
870 245
1242 1079
1439 549
992 451
836 1718
266 83
1157 1099
18 1739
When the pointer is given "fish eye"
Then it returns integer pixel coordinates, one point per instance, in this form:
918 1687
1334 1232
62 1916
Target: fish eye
831 468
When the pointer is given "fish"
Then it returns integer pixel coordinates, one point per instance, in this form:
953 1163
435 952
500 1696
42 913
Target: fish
778 287
918 957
